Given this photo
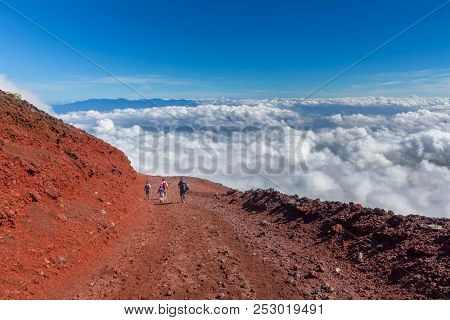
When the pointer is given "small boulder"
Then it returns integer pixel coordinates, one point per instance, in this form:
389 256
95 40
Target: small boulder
220 296
327 288
52 192
264 223
337 229
359 257
62 217
72 154
35 196
169 293
312 275
31 170
319 268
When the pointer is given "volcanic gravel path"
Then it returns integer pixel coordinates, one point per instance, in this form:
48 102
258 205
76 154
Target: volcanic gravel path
212 248
185 251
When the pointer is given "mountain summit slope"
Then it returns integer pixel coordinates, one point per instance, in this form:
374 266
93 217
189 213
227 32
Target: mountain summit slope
61 190
74 225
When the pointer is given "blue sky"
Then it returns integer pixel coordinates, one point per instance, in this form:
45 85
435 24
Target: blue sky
236 49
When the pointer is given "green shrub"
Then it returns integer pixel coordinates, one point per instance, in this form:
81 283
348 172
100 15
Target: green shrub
15 95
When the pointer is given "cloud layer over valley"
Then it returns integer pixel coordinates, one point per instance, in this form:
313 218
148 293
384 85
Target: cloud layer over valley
382 152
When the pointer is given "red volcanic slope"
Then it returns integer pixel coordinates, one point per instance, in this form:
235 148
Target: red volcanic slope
74 225
61 191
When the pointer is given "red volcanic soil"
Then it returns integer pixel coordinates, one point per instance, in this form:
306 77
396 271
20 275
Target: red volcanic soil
74 224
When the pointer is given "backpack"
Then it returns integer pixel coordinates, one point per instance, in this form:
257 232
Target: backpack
184 187
164 185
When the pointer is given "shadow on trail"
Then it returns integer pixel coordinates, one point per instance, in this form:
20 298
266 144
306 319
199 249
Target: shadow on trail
163 203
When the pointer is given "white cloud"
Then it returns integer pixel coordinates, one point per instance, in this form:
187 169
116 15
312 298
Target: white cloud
105 126
388 152
9 86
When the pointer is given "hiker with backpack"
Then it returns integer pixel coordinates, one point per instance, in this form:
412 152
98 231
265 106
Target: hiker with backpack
184 188
161 194
147 189
165 186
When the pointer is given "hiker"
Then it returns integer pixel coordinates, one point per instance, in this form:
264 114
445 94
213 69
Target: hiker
147 189
165 186
161 194
184 188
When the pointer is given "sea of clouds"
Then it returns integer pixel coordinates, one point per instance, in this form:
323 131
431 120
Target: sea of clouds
392 153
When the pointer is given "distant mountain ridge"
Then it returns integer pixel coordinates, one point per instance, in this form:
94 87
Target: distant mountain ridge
110 104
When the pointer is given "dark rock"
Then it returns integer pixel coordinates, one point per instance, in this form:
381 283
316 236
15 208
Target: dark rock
359 257
31 170
327 288
337 229
220 296
35 196
312 275
264 223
